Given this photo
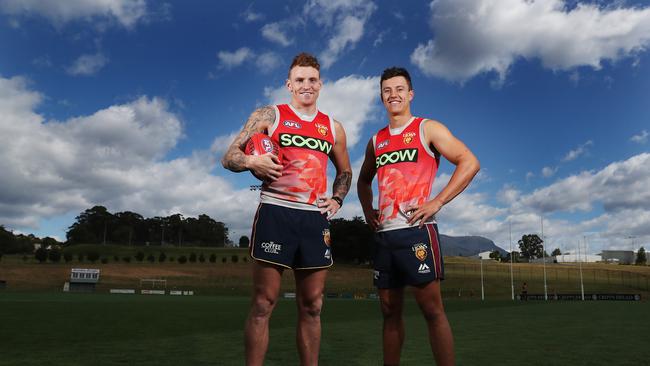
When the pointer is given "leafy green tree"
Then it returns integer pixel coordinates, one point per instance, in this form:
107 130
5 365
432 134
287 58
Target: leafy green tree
531 246
139 256
162 257
213 258
202 258
556 252
40 255
496 255
91 226
92 256
151 258
54 255
352 241
244 241
641 257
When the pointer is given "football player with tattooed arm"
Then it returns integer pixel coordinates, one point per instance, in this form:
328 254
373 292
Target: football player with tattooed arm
405 156
291 227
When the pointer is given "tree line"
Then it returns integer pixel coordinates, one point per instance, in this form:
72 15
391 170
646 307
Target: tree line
98 226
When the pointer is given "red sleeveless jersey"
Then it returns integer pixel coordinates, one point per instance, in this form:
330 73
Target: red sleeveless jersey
406 169
306 145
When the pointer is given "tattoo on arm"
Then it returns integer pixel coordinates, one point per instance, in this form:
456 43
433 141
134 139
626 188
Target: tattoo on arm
342 184
234 159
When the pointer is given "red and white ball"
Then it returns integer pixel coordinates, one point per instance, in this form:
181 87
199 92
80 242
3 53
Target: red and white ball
260 144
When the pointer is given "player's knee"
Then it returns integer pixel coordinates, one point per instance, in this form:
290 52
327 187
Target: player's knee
311 306
391 311
262 307
433 314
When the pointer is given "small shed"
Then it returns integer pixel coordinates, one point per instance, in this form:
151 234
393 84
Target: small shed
83 279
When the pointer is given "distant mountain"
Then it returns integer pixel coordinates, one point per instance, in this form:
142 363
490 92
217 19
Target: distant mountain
467 246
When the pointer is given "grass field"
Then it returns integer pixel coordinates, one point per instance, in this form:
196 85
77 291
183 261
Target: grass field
102 329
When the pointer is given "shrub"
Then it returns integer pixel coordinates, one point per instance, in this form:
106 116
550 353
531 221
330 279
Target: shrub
202 258
139 256
54 255
224 259
92 256
182 259
162 257
116 258
126 259
192 257
172 259
40 255
213 258
234 258
104 260
151 258
67 257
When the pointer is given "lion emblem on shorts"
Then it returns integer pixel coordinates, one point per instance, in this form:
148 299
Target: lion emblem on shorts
420 251
326 237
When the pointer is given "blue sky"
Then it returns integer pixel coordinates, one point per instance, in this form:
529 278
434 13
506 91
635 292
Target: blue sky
130 104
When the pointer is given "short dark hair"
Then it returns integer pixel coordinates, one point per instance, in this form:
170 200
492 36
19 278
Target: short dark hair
304 59
395 71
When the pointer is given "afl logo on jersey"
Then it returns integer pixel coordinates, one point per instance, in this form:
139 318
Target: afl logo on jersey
292 124
267 145
321 129
383 144
408 137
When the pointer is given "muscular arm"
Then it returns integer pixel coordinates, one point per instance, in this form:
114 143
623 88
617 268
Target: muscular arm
364 186
235 160
343 179
457 153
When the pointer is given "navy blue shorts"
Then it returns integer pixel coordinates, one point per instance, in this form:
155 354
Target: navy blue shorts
291 238
408 256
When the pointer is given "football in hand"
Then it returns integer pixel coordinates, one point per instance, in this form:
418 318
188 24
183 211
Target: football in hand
260 144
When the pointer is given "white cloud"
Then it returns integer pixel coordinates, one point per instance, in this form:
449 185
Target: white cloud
477 36
345 19
251 16
548 171
274 32
641 138
125 12
221 143
348 34
577 152
87 65
268 61
114 157
229 60
351 100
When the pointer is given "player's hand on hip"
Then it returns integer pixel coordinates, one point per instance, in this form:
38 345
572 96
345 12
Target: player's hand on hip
372 218
266 167
424 212
329 206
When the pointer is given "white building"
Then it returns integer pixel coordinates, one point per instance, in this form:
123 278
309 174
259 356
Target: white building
574 258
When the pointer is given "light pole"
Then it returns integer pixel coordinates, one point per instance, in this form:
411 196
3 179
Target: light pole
544 259
512 280
482 290
582 286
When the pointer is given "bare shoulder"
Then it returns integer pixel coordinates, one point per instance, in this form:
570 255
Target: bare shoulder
434 129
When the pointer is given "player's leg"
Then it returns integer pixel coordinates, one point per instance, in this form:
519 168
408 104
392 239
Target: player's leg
266 289
309 298
441 339
392 303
